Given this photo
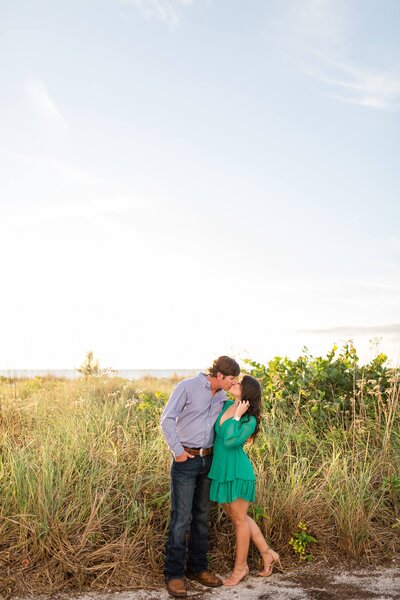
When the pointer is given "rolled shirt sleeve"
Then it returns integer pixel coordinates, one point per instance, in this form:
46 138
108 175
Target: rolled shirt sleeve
172 410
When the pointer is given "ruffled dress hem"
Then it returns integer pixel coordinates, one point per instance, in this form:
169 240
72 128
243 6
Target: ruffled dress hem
229 491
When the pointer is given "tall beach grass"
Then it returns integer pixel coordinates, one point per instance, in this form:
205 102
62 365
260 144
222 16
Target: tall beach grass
84 476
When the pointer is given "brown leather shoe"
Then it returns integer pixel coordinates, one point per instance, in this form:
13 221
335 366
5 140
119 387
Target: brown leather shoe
176 588
205 578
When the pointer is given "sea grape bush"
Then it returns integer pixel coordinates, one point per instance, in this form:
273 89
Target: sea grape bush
330 390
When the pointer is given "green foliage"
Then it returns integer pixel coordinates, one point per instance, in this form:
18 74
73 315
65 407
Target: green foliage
300 541
391 486
330 390
392 483
258 512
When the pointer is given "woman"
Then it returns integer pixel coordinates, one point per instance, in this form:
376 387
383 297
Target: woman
232 475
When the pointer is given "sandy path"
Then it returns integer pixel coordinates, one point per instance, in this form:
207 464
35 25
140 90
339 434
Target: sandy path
306 583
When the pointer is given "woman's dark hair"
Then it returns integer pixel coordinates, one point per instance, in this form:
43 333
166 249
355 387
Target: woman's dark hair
251 392
225 365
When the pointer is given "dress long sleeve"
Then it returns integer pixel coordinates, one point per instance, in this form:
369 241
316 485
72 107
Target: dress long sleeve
232 474
235 433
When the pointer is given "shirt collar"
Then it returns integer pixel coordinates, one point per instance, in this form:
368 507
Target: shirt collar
207 384
205 381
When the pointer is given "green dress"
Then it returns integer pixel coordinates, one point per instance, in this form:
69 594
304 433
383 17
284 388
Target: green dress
232 475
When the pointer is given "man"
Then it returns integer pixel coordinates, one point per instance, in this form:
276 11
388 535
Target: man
188 426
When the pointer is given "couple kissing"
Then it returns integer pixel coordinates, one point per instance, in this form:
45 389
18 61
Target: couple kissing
205 432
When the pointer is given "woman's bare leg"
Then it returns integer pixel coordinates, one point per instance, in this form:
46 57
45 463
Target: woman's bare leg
267 554
237 512
257 537
258 540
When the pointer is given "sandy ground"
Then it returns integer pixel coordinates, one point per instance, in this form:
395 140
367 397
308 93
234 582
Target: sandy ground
307 583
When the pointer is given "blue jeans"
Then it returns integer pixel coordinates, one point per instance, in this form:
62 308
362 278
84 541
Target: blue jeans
190 503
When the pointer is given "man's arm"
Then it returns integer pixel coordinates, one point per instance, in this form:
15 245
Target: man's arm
172 410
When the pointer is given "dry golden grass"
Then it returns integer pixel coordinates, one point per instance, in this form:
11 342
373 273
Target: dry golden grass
84 475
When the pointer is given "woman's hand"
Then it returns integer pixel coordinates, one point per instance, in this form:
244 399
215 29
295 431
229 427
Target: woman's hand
241 408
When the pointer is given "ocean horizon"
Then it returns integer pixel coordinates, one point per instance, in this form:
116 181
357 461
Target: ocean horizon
74 374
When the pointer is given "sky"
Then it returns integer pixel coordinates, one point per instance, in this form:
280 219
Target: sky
181 179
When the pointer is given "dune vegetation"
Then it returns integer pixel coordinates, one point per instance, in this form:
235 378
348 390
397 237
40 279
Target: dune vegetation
84 473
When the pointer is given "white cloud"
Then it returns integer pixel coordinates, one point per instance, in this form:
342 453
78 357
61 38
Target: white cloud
319 35
164 10
44 103
361 86
392 330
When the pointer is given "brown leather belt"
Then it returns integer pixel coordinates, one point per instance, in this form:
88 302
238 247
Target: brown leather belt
199 451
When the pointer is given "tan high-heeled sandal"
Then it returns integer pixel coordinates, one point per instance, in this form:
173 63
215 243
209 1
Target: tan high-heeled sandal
275 561
235 579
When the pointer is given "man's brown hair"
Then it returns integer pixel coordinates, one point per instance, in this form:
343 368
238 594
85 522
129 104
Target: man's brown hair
225 365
